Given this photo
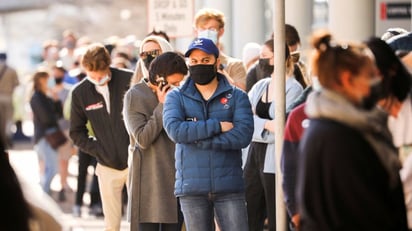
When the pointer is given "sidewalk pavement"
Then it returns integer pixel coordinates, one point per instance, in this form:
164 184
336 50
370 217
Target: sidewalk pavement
24 161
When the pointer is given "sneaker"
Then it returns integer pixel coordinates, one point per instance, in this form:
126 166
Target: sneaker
76 211
62 195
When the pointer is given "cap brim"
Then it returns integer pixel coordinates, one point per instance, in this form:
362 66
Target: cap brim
188 52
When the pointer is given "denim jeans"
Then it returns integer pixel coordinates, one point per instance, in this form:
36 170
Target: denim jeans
229 210
48 156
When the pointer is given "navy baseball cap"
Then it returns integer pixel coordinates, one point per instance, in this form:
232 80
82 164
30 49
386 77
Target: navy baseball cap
205 45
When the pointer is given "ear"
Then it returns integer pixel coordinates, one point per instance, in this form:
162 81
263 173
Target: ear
345 78
220 32
218 62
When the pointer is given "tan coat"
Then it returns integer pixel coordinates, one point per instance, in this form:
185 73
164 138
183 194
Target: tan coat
152 172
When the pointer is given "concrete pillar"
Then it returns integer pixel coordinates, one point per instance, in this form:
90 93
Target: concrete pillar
351 19
299 14
247 24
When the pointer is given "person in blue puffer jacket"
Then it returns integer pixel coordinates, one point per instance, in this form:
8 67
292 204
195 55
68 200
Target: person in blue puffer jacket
210 121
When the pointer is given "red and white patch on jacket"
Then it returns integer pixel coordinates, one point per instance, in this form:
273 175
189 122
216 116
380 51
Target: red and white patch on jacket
95 106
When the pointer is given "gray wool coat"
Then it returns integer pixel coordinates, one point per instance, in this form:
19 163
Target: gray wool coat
152 172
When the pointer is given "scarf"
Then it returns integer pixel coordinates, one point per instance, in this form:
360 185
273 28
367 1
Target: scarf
371 124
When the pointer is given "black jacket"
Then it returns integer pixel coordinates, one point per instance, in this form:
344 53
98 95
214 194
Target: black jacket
46 113
110 146
343 185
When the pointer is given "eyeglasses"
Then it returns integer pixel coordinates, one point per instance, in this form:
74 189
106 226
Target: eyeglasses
154 53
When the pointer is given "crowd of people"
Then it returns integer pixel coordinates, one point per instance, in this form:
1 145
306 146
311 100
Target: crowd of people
191 136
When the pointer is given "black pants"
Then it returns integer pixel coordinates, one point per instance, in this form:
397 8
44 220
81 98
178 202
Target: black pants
85 160
260 190
158 227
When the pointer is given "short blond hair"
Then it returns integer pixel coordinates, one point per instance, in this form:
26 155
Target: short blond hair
206 14
96 58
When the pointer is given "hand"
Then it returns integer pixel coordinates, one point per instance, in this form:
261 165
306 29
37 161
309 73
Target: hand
270 125
391 105
226 126
161 92
52 93
296 220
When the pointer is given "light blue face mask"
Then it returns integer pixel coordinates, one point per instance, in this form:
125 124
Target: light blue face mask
209 34
50 82
102 81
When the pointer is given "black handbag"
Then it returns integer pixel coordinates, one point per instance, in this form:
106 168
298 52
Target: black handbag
56 138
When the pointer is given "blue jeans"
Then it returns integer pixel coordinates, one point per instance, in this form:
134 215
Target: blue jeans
229 210
48 156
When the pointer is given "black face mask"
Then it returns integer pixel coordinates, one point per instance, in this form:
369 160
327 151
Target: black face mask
58 80
148 60
265 66
202 74
374 96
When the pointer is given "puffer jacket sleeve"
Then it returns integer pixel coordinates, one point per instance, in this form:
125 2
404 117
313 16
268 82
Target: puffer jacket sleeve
241 133
179 129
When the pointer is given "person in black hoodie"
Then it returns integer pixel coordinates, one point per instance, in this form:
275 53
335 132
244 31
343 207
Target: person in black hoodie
98 99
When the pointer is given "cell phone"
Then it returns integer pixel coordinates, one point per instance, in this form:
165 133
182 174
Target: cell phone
162 82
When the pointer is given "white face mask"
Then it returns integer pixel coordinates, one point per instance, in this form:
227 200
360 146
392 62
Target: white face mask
209 34
102 81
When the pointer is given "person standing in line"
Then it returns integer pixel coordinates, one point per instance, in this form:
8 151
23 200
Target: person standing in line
8 82
99 99
64 153
153 205
293 41
250 55
348 175
397 79
259 170
264 67
67 53
210 24
47 109
210 121
151 47
84 161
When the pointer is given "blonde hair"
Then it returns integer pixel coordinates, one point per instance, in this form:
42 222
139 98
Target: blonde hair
206 14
